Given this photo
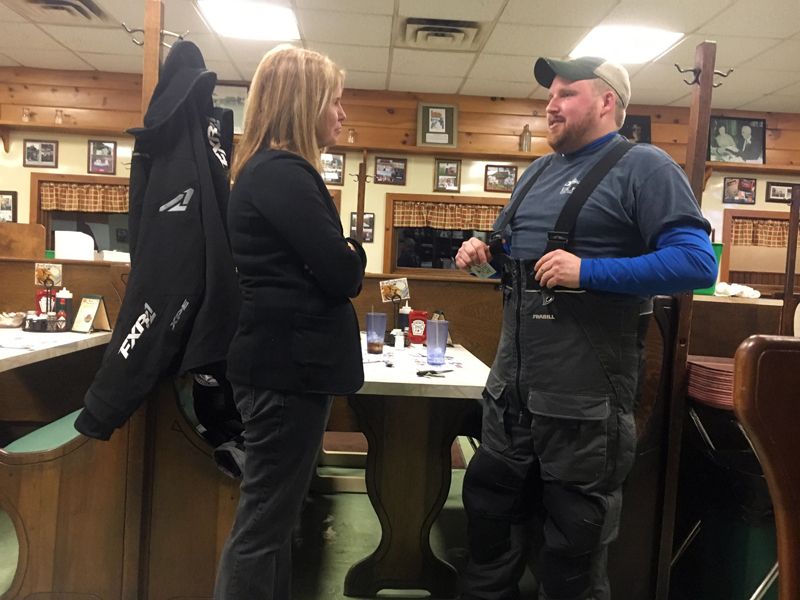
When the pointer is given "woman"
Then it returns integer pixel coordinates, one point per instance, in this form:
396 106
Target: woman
297 342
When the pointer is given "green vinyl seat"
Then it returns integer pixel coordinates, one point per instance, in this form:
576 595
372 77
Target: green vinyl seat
45 438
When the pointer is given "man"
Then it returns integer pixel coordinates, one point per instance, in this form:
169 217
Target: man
558 430
750 150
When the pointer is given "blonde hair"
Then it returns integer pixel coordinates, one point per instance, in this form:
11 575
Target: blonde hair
288 93
601 87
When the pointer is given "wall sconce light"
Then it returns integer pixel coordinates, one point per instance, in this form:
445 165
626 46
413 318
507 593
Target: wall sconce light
351 136
59 116
26 115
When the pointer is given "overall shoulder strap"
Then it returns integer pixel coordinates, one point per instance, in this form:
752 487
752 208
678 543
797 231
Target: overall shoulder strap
559 237
496 239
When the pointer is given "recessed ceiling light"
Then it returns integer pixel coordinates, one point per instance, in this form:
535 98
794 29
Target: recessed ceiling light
250 20
626 44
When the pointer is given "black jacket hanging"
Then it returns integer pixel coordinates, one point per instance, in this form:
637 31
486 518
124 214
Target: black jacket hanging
182 299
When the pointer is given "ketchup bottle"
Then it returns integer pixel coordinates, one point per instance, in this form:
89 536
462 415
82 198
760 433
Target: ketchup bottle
417 325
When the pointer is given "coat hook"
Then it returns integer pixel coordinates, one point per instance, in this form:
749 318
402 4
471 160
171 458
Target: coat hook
131 32
695 71
721 74
355 177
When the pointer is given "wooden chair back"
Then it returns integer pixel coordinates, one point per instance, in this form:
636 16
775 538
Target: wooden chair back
22 240
766 400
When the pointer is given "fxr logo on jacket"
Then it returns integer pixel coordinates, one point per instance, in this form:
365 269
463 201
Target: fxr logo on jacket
142 323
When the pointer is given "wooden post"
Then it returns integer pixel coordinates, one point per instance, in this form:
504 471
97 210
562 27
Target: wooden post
696 149
362 190
153 24
787 312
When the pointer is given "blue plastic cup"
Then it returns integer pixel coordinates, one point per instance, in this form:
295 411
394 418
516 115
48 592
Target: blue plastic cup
436 331
376 330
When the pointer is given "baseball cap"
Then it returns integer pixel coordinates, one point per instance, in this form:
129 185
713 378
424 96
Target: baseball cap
585 67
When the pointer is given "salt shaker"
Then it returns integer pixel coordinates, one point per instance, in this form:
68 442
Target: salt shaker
399 341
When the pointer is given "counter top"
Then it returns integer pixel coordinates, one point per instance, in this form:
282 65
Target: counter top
466 380
737 300
19 348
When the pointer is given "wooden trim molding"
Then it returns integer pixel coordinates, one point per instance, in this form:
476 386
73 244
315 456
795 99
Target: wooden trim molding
390 236
728 215
36 216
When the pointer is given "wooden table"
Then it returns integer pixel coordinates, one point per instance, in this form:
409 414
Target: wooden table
410 423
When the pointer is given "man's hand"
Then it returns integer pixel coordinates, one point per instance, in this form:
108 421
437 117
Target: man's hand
472 252
559 268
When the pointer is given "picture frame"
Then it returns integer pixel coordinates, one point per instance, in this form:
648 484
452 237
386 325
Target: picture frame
333 168
500 178
234 97
447 175
8 207
776 192
102 157
738 190
437 125
732 139
368 228
390 171
636 129
42 154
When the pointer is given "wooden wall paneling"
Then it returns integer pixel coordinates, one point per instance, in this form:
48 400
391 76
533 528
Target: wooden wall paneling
20 77
74 119
72 96
22 240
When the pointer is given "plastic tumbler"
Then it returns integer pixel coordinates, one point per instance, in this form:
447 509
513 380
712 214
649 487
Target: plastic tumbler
376 330
437 341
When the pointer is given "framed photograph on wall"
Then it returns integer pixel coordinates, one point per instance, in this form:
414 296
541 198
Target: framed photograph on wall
368 228
500 178
42 154
333 168
8 207
390 171
447 175
233 97
738 190
776 192
102 157
737 140
636 129
437 125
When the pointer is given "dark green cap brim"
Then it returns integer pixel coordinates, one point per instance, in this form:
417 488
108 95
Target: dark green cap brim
546 69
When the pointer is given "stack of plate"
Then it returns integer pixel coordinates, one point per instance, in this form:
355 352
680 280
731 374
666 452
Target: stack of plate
711 381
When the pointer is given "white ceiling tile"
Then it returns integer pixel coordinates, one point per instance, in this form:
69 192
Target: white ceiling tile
131 12
23 35
359 80
224 69
773 103
644 96
505 89
5 61
682 16
731 100
499 67
682 101
345 28
208 44
182 15
248 70
247 51
565 13
656 76
8 15
421 62
476 10
93 39
116 63
763 82
355 58
47 59
540 93
521 40
431 85
783 57
789 90
764 18
731 52
369 7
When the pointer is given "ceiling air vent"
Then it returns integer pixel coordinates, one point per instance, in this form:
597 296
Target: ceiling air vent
439 34
62 12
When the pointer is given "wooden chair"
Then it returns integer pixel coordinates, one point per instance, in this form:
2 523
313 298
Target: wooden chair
75 505
766 400
22 240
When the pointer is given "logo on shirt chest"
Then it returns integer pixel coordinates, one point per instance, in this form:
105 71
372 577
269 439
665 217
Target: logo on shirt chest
570 186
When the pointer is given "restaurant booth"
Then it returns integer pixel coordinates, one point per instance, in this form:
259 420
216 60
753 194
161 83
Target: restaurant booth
145 515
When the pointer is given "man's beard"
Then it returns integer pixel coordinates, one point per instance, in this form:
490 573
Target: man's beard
572 136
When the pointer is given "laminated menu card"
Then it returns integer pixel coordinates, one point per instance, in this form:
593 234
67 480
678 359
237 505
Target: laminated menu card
91 316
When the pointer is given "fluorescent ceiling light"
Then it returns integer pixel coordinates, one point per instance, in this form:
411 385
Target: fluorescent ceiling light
626 44
250 20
